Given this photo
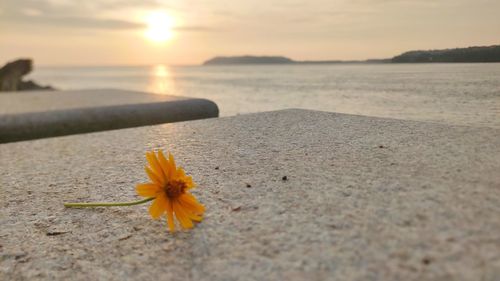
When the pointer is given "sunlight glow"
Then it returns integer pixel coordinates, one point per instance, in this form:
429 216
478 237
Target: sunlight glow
161 81
160 26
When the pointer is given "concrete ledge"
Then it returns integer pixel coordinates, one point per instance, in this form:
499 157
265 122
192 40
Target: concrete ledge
364 199
69 119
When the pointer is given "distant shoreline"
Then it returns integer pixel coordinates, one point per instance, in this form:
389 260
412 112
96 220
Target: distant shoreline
483 54
248 59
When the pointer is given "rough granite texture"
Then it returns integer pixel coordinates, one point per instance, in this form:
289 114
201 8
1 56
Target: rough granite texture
25 116
364 199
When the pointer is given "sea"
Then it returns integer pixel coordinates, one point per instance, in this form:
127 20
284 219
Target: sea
450 93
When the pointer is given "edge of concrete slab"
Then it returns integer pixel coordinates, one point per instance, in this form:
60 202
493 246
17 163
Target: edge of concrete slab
28 126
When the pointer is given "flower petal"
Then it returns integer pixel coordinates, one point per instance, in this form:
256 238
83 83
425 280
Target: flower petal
164 165
170 216
155 165
159 206
171 161
190 202
154 178
189 182
192 214
181 216
194 217
179 173
147 189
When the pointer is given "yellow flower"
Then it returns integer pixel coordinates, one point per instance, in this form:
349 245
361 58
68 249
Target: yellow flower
169 186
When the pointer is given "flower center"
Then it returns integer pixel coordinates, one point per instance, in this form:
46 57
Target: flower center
174 189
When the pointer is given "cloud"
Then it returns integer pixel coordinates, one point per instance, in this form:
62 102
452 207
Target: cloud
31 12
93 23
101 24
71 22
78 14
62 7
195 28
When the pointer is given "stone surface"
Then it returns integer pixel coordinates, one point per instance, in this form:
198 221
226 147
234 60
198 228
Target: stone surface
363 199
41 114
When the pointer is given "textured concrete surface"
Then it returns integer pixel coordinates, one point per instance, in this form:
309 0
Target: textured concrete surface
364 199
40 114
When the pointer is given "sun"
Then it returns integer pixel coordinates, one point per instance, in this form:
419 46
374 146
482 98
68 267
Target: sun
159 27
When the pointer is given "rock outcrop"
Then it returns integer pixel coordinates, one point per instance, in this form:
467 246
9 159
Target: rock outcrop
12 73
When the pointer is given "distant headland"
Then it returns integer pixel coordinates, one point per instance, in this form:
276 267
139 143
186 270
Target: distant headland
470 54
235 60
248 60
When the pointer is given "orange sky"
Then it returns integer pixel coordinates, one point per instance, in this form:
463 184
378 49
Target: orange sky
113 32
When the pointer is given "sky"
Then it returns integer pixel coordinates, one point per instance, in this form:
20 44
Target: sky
115 32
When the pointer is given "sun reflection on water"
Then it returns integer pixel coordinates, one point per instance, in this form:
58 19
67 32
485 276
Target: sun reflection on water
162 81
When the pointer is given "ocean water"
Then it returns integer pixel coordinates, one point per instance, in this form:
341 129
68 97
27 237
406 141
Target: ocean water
459 94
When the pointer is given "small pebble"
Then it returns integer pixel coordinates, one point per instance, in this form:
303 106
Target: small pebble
426 261
54 233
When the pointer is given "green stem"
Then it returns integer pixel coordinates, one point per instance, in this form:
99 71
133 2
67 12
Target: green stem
107 204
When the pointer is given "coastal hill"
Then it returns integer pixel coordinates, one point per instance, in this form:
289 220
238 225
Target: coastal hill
248 60
471 54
